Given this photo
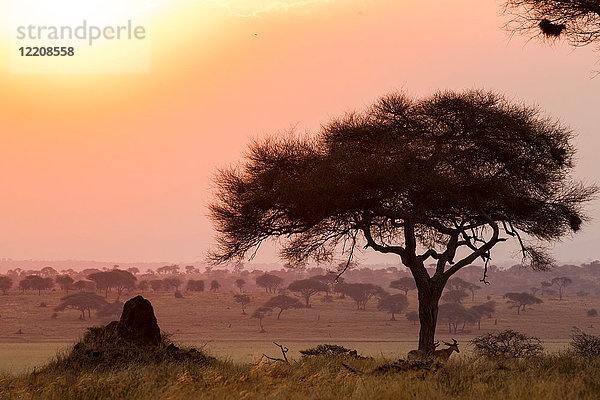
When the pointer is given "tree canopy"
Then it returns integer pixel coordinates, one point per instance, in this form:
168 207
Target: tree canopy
405 284
83 302
282 302
305 288
443 179
576 20
394 304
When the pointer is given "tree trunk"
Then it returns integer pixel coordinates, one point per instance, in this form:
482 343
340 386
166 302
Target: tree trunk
279 314
393 318
428 311
307 298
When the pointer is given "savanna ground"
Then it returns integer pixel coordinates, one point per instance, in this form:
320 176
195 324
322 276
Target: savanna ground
214 322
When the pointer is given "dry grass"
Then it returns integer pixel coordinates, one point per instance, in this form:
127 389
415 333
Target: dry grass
558 376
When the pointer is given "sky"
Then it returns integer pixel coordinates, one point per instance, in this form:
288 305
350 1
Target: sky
118 167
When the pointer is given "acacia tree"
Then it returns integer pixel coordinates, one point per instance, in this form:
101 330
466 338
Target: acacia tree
405 284
306 288
361 293
576 20
444 178
65 282
455 296
520 300
561 282
269 281
240 283
458 284
243 299
5 284
82 302
394 304
283 302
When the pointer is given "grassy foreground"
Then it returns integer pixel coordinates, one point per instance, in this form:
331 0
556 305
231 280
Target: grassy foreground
557 376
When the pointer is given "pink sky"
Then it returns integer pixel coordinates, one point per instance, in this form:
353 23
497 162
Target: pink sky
118 167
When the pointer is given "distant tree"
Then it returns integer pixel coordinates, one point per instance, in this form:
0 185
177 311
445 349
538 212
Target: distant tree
156 284
456 314
143 285
306 288
454 296
240 283
405 284
534 290
65 282
330 279
168 269
393 304
111 310
592 312
82 302
133 270
171 283
442 179
483 310
24 284
5 284
546 288
520 300
36 282
582 293
578 21
190 269
282 302
460 284
269 281
195 286
361 293
260 313
243 299
215 285
562 282
413 316
114 279
48 272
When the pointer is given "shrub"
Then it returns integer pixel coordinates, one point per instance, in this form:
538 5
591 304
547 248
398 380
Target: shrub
584 344
178 295
328 350
508 343
592 312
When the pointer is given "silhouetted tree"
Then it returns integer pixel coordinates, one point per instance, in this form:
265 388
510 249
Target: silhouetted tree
483 310
114 279
305 288
243 299
456 314
458 284
282 302
576 20
269 281
82 302
65 282
36 282
215 285
520 300
260 313
546 288
190 269
407 283
361 293
143 285
195 286
5 284
84 285
171 283
454 296
168 269
429 179
561 282
330 279
156 284
111 310
394 304
240 283
413 316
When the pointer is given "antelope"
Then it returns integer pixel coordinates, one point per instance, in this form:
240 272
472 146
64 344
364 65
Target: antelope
444 354
421 355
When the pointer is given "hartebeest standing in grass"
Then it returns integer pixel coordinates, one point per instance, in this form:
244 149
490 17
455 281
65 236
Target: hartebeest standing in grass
444 354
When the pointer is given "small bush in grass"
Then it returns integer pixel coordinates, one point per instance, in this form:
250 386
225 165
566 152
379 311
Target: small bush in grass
592 312
329 350
178 295
584 344
508 343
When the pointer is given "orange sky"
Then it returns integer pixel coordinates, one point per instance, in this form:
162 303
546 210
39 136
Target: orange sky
118 167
